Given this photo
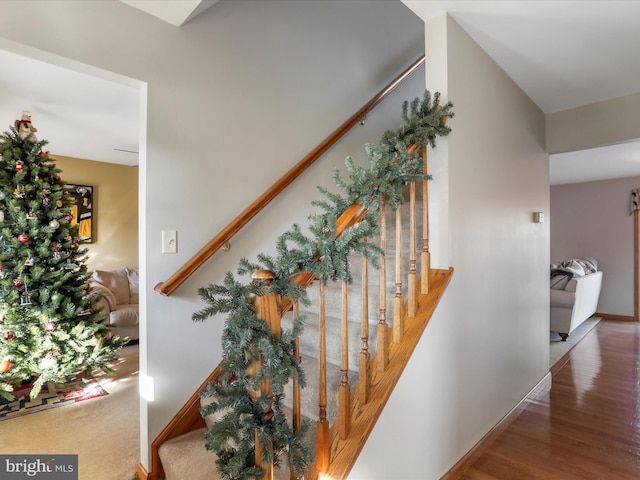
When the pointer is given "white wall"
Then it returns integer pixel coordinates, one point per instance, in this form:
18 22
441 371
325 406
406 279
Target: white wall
234 99
583 127
592 219
487 345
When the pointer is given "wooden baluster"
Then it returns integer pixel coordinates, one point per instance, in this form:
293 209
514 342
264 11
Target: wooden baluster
365 356
268 309
398 302
322 425
296 409
426 255
382 354
344 388
412 301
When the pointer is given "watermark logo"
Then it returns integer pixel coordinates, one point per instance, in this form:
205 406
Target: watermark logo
39 467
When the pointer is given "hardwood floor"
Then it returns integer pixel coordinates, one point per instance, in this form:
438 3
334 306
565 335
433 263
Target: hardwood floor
584 425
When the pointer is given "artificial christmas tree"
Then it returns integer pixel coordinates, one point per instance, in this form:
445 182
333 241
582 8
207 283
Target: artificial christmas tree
49 326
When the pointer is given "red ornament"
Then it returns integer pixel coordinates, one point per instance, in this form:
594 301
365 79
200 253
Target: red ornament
8 336
17 283
18 165
5 366
50 326
69 217
23 238
42 154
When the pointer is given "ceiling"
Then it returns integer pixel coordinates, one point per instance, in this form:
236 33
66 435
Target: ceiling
562 53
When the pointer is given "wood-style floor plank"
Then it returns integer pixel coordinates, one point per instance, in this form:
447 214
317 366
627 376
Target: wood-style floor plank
584 425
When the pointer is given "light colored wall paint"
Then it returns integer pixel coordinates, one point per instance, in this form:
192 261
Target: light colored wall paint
115 210
592 219
234 99
487 345
602 123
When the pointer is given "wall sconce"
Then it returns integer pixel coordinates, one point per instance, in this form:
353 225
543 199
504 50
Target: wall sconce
538 217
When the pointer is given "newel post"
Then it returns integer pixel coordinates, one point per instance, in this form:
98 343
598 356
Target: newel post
267 308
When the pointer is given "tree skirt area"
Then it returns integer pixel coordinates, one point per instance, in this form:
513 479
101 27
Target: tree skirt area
52 395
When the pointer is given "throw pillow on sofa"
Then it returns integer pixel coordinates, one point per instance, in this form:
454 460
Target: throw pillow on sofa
563 272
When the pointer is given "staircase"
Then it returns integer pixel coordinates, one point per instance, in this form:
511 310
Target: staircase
186 458
359 331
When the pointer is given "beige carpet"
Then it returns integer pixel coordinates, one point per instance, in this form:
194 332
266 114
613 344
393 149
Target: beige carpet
558 348
103 432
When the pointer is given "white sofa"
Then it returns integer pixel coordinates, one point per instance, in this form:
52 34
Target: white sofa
574 295
118 290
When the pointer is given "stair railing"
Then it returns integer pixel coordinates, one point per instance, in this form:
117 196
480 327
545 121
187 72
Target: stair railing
221 239
339 444
353 401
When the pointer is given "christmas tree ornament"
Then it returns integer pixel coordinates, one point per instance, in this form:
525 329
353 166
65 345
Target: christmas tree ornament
47 362
59 203
17 283
68 217
17 193
23 238
41 154
2 195
50 326
1 216
19 165
25 298
9 336
25 128
5 366
45 199
54 224
29 262
56 298
31 215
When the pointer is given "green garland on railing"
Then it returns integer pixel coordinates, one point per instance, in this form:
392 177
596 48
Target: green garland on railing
247 339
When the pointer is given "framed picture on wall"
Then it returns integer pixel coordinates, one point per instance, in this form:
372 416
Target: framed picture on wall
82 210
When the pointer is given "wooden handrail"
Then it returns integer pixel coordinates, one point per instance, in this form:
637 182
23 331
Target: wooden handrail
179 277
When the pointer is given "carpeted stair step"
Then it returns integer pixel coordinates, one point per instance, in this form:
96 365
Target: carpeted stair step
310 343
333 299
309 395
186 458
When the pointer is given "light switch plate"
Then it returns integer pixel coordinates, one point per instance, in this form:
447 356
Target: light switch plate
169 241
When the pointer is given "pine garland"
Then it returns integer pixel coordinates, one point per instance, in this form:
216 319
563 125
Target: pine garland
247 339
